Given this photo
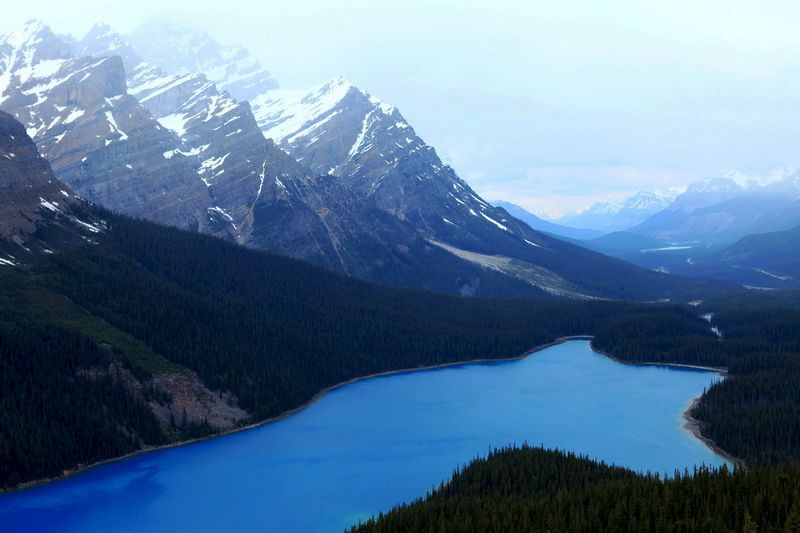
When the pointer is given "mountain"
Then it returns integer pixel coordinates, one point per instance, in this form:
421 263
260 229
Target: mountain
38 214
722 228
359 192
271 202
546 226
99 140
608 217
340 129
768 260
170 47
719 211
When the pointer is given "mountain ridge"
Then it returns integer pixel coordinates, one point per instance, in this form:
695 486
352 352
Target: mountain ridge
381 215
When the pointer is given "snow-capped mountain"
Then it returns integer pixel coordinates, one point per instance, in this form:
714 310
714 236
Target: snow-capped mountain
178 49
721 210
609 216
340 129
111 148
99 140
369 146
271 201
358 191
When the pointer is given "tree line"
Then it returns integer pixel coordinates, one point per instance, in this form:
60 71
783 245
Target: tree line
273 332
532 489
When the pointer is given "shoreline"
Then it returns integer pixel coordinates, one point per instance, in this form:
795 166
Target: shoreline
722 371
691 425
286 414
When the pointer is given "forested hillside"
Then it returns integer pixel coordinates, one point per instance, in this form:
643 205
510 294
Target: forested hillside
532 489
147 305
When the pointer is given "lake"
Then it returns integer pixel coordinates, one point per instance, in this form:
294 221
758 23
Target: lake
372 444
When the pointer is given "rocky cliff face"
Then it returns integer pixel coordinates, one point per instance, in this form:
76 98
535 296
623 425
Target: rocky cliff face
358 192
216 130
251 190
370 147
99 140
37 212
272 201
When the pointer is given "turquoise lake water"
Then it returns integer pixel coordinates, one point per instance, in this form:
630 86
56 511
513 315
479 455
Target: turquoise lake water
370 445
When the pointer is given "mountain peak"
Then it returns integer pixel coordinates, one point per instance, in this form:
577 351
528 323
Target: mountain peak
103 40
102 31
340 86
30 32
725 183
30 44
340 81
178 49
23 50
335 89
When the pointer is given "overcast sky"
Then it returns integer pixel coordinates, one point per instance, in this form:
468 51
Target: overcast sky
543 103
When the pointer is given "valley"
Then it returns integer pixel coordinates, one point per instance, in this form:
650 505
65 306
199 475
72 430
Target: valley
229 304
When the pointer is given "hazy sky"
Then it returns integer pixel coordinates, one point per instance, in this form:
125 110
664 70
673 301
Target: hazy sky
543 103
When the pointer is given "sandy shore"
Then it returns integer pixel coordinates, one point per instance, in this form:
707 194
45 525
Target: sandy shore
691 425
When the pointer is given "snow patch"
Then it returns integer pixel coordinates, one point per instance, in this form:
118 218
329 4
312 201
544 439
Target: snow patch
175 122
48 205
493 221
112 123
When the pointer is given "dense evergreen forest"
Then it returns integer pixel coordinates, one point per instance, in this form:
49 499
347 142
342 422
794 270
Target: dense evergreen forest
272 332
269 330
532 489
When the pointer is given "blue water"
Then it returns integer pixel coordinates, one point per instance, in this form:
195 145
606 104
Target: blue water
370 445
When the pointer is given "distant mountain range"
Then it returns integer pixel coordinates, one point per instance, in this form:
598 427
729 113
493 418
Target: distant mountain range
767 261
546 226
150 126
730 229
608 217
719 211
